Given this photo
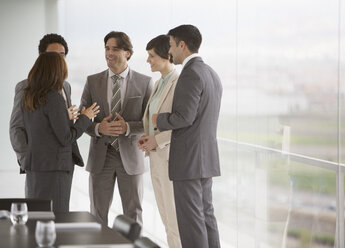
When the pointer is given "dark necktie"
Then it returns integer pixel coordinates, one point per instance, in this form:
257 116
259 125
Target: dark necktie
116 104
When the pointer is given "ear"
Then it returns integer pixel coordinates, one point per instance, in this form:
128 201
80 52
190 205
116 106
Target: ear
127 54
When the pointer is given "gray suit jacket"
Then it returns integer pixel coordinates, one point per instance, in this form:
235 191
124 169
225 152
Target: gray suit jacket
194 118
18 135
138 91
50 135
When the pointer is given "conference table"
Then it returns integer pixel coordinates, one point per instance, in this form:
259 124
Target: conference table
23 236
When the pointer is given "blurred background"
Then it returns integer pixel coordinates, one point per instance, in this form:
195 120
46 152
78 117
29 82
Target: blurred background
282 118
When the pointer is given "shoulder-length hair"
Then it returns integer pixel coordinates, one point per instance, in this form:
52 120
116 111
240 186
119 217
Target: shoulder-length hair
48 73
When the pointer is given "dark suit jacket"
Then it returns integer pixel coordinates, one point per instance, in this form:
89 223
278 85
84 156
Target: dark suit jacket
18 133
50 135
194 118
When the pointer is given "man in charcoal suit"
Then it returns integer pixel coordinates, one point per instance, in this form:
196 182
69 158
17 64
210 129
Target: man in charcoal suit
193 159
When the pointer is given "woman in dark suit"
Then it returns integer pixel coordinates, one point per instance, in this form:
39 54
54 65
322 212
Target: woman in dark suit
49 165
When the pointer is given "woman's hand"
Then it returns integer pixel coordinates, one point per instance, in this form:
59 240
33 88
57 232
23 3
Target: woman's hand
147 143
141 142
73 113
91 112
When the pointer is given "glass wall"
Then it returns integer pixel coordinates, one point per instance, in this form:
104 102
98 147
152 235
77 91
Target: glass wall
280 65
282 118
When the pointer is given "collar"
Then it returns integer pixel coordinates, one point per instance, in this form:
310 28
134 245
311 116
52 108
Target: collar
168 75
122 74
185 61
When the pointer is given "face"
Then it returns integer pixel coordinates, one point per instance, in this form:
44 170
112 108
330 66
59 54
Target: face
116 57
176 51
56 47
156 62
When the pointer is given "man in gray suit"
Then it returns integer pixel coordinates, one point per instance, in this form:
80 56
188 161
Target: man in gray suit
193 159
122 95
18 134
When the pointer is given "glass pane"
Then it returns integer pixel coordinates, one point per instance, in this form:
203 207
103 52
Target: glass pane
287 75
279 202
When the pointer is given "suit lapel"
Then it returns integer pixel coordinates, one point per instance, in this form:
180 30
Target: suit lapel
146 113
67 94
103 91
125 100
166 90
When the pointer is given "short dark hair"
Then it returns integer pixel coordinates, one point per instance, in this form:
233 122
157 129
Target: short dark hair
50 39
123 41
161 46
189 34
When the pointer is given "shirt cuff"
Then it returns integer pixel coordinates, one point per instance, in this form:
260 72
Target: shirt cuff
96 130
128 129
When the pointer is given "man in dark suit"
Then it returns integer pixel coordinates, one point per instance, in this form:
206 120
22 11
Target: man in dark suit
193 159
18 135
122 94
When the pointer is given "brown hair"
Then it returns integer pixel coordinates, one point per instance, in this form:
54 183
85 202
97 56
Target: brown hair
123 41
48 73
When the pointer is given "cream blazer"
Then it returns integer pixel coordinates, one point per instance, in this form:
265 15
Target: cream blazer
164 106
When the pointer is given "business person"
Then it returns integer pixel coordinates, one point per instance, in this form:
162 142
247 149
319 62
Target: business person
18 136
122 94
157 144
49 165
193 159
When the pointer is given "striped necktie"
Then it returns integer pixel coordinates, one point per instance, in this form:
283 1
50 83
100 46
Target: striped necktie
116 104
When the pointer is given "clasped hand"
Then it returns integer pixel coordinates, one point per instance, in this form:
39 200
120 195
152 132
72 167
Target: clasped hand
147 143
112 128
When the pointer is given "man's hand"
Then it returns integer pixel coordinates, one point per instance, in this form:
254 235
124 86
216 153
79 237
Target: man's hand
154 120
106 127
73 113
120 125
149 143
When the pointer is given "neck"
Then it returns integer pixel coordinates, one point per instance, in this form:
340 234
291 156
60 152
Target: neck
166 70
186 54
119 70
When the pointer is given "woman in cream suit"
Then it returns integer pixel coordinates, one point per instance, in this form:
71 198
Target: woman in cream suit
156 144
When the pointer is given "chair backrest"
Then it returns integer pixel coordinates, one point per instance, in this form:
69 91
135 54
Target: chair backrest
145 242
127 227
34 204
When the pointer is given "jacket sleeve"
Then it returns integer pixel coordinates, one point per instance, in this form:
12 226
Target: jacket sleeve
57 114
185 105
86 101
18 135
163 139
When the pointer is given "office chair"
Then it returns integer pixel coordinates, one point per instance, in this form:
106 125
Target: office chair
145 242
127 227
34 204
